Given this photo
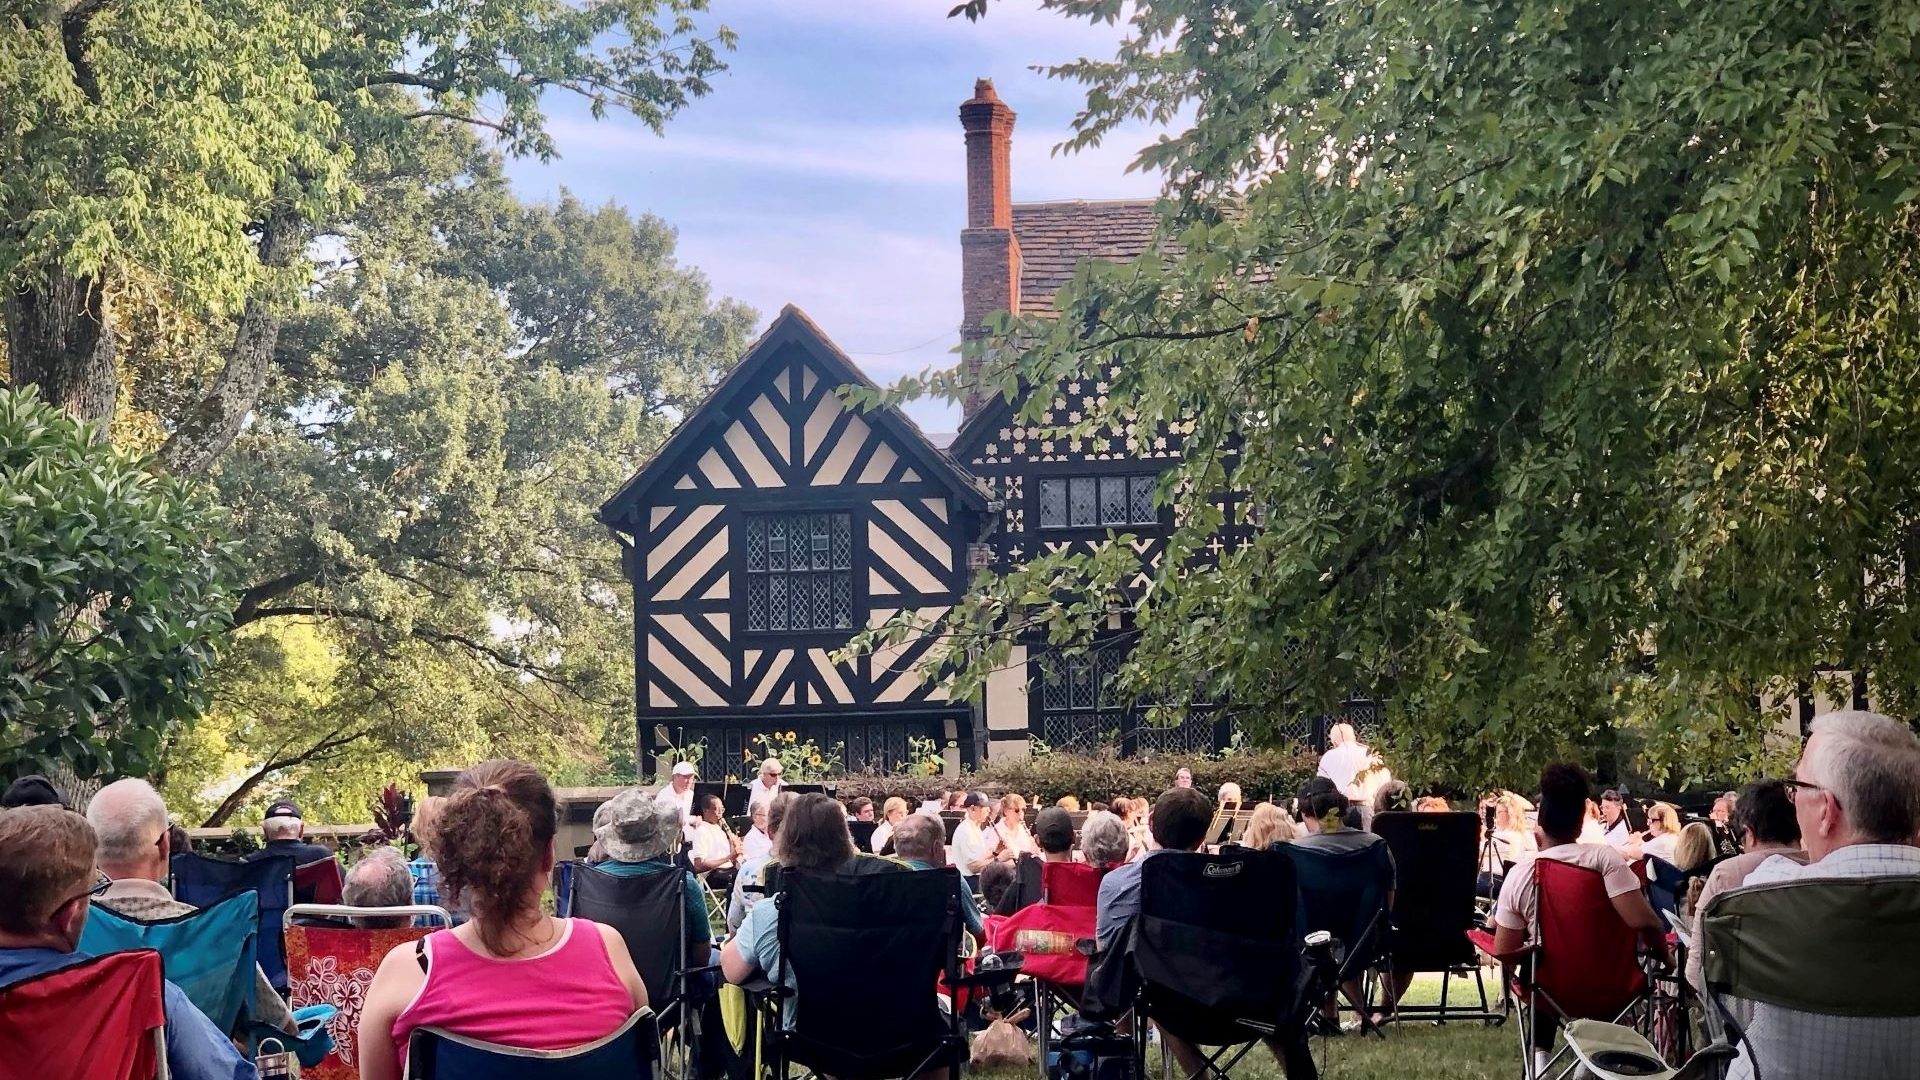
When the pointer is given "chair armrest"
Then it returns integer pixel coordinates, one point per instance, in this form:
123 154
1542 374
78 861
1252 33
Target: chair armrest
1004 973
1484 942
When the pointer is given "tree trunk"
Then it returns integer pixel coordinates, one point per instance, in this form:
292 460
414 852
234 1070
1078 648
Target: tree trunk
58 340
209 429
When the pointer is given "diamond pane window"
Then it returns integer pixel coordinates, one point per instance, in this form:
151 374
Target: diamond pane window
800 571
1086 502
1053 502
1083 498
1113 500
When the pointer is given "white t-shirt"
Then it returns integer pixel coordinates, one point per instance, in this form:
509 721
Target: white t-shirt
760 793
685 799
708 841
1343 763
1519 904
971 843
1661 847
757 845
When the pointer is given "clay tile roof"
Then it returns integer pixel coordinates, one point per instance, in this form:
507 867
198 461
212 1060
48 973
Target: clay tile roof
1055 237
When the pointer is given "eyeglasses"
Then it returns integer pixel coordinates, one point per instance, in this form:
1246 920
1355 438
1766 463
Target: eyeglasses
1796 787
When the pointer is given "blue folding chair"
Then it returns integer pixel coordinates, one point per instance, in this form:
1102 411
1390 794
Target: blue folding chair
208 953
204 882
626 1054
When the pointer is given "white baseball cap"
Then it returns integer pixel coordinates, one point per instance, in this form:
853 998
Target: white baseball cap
685 768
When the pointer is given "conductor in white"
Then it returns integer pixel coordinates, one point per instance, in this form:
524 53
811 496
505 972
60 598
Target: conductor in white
1346 758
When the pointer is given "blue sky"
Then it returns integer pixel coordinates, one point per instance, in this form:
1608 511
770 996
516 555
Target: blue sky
827 168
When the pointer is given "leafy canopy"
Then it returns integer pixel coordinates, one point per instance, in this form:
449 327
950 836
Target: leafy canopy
1567 355
112 596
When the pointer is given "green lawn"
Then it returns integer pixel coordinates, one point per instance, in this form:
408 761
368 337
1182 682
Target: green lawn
1411 1051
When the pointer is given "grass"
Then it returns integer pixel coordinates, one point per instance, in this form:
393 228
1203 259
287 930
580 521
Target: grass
1459 1050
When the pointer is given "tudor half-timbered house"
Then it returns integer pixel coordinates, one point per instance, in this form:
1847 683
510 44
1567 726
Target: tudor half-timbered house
776 521
772 525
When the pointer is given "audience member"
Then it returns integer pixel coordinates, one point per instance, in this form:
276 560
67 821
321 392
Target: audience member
812 836
1663 821
1325 811
679 791
1179 821
749 884
30 790
996 881
1564 794
1693 850
1269 826
426 875
380 879
921 843
178 841
974 844
1103 839
1763 816
1015 839
46 862
892 812
285 833
758 843
1856 797
768 785
712 851
1053 838
1393 796
642 837
133 845
512 974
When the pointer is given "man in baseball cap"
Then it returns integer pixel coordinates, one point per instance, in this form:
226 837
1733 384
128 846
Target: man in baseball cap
34 790
679 791
284 828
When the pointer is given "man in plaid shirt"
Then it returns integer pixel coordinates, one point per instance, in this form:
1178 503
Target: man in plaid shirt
426 873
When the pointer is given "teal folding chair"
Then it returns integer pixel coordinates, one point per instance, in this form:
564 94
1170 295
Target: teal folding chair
208 954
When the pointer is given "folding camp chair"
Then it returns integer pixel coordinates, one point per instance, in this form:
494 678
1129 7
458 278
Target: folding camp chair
204 881
334 965
1047 935
650 912
209 953
318 882
102 1018
1217 959
1435 860
1824 965
626 1054
1346 894
1583 966
867 951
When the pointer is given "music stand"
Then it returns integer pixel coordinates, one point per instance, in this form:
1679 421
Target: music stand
862 834
1228 826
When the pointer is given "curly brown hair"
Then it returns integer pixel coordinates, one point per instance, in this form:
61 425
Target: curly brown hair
494 835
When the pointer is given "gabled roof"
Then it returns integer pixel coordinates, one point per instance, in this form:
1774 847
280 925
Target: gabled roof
1056 237
791 326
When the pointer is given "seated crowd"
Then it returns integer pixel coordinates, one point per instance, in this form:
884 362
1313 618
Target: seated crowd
512 973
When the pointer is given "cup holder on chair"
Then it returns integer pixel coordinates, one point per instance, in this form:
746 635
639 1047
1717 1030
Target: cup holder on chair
1628 1063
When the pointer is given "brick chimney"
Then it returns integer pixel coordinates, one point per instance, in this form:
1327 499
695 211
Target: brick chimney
989 255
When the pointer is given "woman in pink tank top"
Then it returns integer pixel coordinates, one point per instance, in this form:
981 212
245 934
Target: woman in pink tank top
513 975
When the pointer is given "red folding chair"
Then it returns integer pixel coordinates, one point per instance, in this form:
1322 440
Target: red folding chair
1048 935
333 965
318 882
1584 965
99 1019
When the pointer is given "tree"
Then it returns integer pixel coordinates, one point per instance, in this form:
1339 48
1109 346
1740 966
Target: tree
170 154
416 497
112 596
1567 357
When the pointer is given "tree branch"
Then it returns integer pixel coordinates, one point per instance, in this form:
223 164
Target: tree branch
335 740
249 608
408 78
73 32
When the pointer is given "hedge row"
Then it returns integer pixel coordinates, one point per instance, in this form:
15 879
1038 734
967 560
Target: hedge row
1261 774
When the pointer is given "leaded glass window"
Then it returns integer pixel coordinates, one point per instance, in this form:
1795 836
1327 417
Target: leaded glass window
800 571
1085 502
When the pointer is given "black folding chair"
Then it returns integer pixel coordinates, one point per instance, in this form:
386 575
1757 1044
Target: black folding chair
867 952
1346 893
1435 860
204 881
1217 959
650 913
